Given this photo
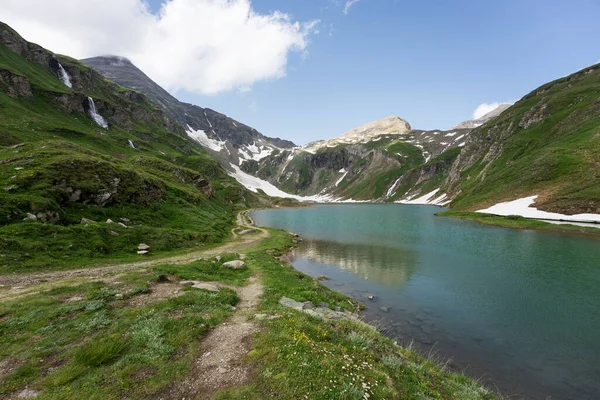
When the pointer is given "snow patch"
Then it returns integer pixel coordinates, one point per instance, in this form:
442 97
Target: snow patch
523 208
392 190
451 134
201 137
341 179
428 199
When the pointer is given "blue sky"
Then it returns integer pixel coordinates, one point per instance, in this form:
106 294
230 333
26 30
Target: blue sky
431 62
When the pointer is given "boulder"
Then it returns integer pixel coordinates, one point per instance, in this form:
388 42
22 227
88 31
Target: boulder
30 217
122 225
142 252
287 302
87 221
201 285
113 233
143 246
110 221
11 187
126 220
236 264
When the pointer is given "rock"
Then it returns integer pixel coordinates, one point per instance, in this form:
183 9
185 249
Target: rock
30 217
142 252
113 233
18 168
201 285
119 296
11 187
51 217
28 394
308 305
87 221
260 316
16 146
222 370
122 225
218 258
287 302
143 246
110 221
323 278
126 220
384 309
324 305
236 264
371 297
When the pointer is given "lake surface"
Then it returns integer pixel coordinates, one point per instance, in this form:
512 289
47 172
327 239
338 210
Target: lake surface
518 309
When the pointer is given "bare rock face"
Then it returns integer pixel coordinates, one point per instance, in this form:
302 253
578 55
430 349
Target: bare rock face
533 116
15 85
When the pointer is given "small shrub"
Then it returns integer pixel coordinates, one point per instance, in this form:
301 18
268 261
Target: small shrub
358 340
392 362
95 305
100 352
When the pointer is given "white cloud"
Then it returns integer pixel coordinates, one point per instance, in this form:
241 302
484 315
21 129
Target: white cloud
485 108
349 4
203 46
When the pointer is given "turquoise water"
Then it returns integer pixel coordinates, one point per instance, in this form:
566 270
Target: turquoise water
518 309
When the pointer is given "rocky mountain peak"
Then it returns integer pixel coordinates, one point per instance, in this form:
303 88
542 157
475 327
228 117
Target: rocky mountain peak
475 123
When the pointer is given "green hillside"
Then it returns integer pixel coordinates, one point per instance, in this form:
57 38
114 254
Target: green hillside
57 166
547 144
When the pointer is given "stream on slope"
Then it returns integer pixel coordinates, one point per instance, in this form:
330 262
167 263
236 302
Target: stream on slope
518 309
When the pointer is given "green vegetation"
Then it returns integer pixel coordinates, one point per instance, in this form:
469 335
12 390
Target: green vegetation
57 167
517 222
110 340
297 355
546 144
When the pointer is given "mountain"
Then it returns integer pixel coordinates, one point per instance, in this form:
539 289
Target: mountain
476 123
229 140
367 163
76 147
547 145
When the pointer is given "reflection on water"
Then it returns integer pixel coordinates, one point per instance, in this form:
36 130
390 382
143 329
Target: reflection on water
384 265
519 308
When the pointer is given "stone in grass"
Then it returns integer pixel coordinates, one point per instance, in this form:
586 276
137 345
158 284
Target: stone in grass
143 246
110 221
30 217
28 393
87 221
201 285
113 233
142 252
291 303
235 264
126 220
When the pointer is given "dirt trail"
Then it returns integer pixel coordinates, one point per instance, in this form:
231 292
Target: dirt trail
20 284
219 362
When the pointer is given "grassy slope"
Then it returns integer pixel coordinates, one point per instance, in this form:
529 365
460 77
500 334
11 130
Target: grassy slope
558 158
98 341
516 222
155 190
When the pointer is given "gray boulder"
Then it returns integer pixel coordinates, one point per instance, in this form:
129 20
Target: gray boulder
235 264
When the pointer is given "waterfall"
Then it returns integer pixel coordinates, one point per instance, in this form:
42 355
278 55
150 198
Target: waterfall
98 119
64 77
131 144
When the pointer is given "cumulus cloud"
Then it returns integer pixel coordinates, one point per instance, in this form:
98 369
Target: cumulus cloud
485 108
203 46
349 4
